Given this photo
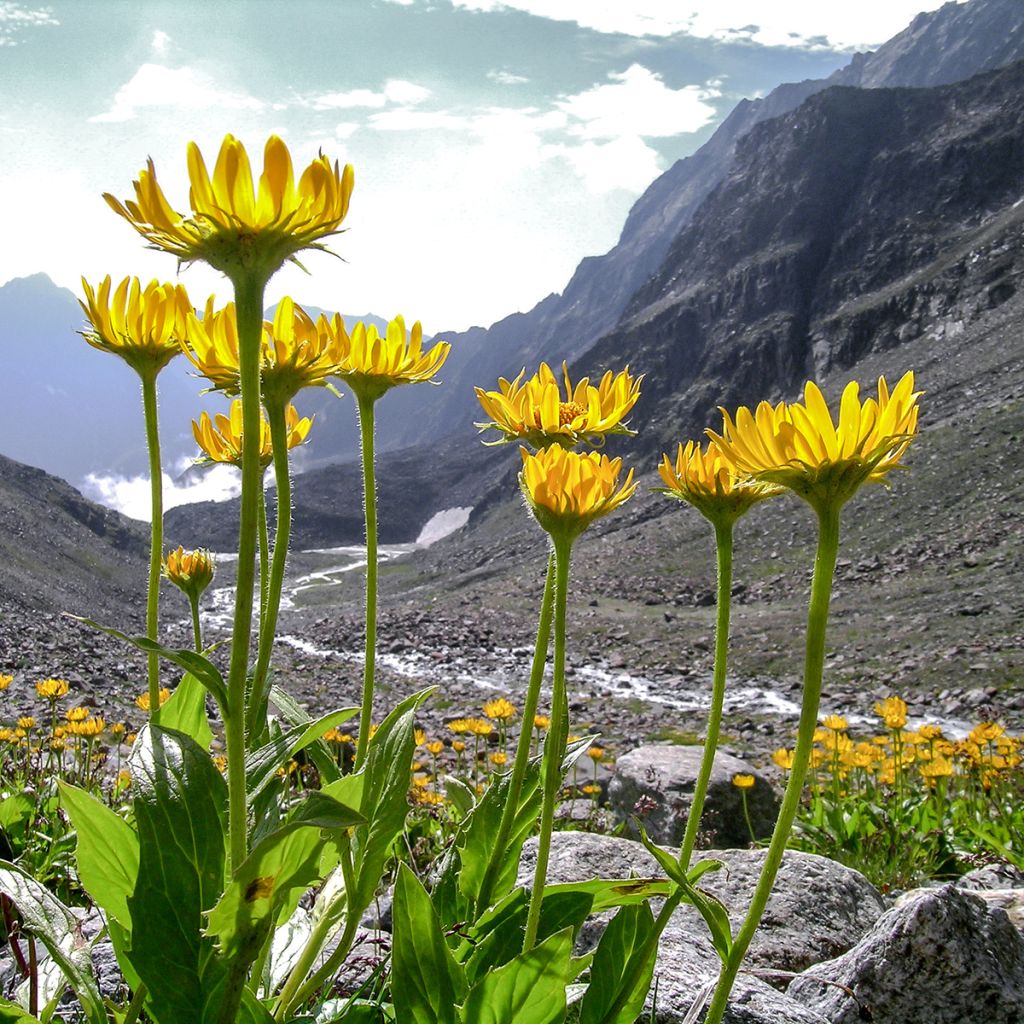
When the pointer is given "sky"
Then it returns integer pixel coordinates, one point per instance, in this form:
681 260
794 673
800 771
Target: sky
495 142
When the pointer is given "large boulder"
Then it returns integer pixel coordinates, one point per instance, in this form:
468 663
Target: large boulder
943 958
654 785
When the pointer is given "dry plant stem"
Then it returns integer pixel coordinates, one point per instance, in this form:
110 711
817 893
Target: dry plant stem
814 660
370 505
282 533
249 312
554 748
156 536
522 759
33 978
723 544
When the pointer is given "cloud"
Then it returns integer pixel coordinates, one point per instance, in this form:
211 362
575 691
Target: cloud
625 163
159 42
784 23
16 18
506 78
155 86
395 91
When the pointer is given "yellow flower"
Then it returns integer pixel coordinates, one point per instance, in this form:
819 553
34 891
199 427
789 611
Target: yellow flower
118 729
26 722
538 412
142 701
435 747
541 722
930 732
499 709
52 689
783 758
221 438
892 711
743 781
937 768
89 729
595 753
836 723
221 763
124 779
5 681
498 759
76 714
373 364
458 746
479 727
420 736
591 789
706 480
234 226
459 725
799 446
568 491
985 732
144 326
190 571
428 797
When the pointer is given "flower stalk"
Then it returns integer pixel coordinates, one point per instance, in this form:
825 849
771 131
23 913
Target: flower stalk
156 533
366 427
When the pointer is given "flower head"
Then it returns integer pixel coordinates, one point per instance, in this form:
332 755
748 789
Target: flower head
5 681
220 438
190 571
538 412
373 363
799 446
142 700
233 225
706 480
78 714
144 326
783 758
835 723
568 491
501 709
52 689
892 711
741 781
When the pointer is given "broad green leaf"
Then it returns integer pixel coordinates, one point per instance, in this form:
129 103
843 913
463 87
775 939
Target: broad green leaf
527 990
426 982
12 1013
45 917
15 809
624 937
185 711
271 879
202 668
107 852
261 765
293 713
608 893
179 802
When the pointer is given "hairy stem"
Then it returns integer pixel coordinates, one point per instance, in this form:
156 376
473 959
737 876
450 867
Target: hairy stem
370 505
156 536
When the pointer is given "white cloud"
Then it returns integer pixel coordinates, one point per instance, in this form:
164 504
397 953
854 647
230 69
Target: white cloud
16 18
159 42
795 23
395 91
624 163
185 88
506 78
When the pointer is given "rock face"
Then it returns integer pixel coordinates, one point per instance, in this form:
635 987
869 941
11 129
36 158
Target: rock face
654 784
944 958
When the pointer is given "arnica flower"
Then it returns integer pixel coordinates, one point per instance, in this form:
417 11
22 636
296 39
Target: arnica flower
706 480
234 226
53 689
596 754
541 721
836 723
190 571
538 412
220 438
142 700
372 363
799 446
741 781
5 681
26 722
144 326
76 714
783 758
500 709
89 729
892 711
568 491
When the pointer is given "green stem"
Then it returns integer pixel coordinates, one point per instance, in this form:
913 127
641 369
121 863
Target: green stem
249 313
156 535
814 661
264 556
522 759
370 506
268 623
134 1011
554 747
197 628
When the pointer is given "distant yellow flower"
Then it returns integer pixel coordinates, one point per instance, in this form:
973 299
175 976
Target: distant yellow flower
76 714
592 789
221 763
986 732
221 438
435 747
144 326
89 729
937 768
5 681
499 759
458 746
130 738
118 729
428 797
706 480
420 736
53 689
539 413
142 701
783 758
741 781
124 779
459 725
479 727
190 571
26 722
892 711
595 753
500 709
567 491
930 732
799 446
834 722
373 363
233 226
541 722
421 781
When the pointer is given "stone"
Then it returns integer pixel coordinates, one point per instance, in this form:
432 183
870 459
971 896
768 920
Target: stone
992 876
654 784
943 958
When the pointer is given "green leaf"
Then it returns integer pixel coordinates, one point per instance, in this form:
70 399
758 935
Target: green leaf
185 711
701 868
426 982
45 917
269 882
627 933
293 713
16 809
202 668
107 852
179 802
261 765
608 893
12 1013
527 990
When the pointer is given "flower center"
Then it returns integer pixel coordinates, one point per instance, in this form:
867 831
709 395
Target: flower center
568 411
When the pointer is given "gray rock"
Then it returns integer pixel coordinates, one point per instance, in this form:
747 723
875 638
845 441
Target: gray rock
577 856
992 876
654 784
944 958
